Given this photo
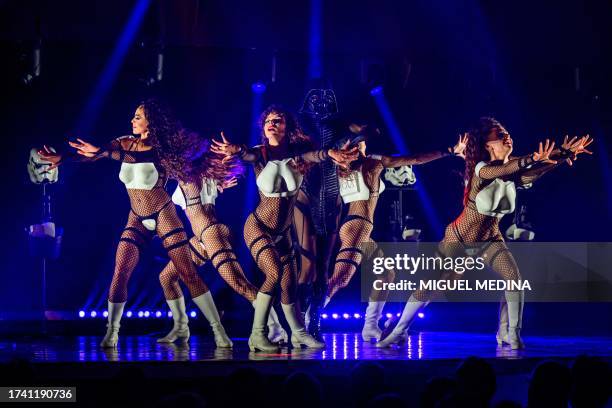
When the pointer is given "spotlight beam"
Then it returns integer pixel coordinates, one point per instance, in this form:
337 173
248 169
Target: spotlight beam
315 65
402 148
107 77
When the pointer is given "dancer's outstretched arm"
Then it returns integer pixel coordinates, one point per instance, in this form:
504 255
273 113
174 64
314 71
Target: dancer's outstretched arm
87 152
569 151
422 158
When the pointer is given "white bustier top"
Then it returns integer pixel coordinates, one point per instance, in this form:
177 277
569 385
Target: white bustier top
496 199
354 188
279 179
208 194
139 176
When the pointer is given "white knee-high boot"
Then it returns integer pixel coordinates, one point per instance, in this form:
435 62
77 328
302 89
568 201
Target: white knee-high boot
502 329
115 311
299 335
206 304
180 330
276 333
398 335
259 336
372 316
515 300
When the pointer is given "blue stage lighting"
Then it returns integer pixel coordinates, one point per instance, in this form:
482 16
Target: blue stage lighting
357 316
421 315
81 313
93 313
324 316
377 90
140 313
334 315
193 314
105 313
169 314
147 313
158 314
129 313
258 87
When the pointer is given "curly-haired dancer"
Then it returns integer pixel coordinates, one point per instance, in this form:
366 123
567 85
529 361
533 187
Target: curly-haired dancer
280 163
490 179
146 163
196 194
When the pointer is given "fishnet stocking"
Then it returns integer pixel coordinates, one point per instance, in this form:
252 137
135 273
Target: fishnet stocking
174 239
374 251
133 239
214 243
353 232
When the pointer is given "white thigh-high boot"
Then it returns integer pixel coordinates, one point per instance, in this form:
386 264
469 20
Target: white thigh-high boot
206 304
276 333
502 329
115 311
259 336
299 335
398 335
515 300
180 330
370 326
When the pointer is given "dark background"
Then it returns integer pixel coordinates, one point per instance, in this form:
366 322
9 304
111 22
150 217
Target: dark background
517 61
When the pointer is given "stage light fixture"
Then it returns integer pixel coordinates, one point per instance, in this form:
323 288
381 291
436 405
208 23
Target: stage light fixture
258 87
377 90
81 313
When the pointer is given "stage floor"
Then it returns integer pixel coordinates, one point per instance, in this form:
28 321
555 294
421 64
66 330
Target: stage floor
339 347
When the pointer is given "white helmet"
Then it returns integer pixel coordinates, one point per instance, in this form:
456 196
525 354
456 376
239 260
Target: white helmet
38 169
400 176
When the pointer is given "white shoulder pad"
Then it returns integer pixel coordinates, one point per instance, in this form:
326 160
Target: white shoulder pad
478 167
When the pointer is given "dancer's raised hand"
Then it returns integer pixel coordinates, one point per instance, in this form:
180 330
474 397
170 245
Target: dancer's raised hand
224 146
84 148
459 148
576 146
543 153
49 154
344 155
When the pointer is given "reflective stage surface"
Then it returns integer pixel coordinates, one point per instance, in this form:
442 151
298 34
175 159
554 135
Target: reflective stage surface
339 347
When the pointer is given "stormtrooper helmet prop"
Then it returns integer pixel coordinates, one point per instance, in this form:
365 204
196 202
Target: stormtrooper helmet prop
38 169
400 176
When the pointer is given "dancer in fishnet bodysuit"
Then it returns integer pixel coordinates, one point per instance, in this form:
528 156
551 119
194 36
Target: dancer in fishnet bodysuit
197 194
360 187
491 172
146 165
279 164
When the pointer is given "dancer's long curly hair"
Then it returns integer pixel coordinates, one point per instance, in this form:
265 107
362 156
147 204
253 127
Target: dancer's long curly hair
299 142
184 154
475 151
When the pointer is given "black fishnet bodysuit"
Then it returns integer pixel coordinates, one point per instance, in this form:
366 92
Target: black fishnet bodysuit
148 204
472 227
211 242
358 224
356 229
267 229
